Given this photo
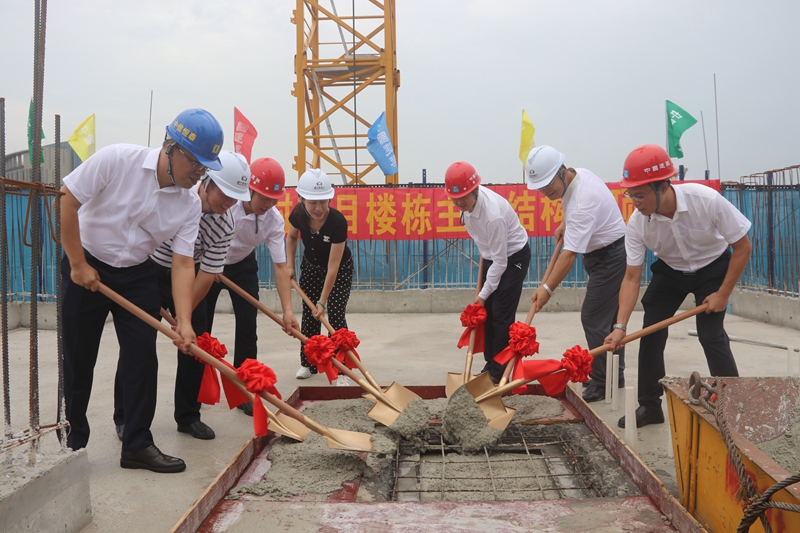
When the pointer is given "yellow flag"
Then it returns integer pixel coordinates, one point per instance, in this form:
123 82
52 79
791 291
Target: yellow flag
526 137
83 139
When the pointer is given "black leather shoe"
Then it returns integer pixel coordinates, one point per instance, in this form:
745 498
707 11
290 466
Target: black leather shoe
594 393
645 417
120 431
247 407
198 430
151 459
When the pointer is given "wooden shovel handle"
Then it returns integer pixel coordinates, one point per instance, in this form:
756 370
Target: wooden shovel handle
604 348
547 272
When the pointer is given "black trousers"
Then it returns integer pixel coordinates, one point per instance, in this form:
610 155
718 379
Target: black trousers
501 307
189 372
245 275
606 269
666 292
84 316
312 279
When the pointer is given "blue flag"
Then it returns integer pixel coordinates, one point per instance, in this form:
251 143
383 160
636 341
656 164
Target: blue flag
380 146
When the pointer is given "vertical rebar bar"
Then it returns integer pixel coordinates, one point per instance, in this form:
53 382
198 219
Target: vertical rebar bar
4 279
62 410
34 199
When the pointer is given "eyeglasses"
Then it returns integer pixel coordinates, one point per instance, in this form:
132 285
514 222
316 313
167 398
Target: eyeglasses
550 185
636 199
196 165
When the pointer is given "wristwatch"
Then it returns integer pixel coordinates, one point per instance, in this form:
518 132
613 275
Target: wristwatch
620 326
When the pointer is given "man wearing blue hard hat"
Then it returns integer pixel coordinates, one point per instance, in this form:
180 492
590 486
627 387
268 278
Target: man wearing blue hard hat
117 208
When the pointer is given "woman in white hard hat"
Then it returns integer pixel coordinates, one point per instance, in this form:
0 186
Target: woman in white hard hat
327 265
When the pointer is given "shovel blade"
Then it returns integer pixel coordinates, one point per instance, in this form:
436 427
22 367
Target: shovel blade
289 427
501 422
454 381
383 414
341 439
492 407
480 385
399 395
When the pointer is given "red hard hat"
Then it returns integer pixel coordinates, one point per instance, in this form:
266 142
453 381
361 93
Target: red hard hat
267 178
460 179
647 164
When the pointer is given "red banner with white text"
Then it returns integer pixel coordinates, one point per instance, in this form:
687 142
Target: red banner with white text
424 213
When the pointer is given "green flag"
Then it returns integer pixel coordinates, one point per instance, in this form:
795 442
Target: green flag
30 136
678 121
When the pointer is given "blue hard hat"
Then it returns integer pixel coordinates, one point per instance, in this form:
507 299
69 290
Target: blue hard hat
199 132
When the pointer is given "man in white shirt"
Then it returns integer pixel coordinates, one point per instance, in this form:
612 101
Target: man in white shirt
503 244
257 221
593 227
117 207
690 228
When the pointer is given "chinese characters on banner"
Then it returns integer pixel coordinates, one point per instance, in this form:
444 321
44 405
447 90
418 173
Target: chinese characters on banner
424 213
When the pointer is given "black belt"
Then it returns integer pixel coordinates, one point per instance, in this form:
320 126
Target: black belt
605 249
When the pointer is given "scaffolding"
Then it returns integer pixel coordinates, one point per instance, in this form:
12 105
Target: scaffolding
340 59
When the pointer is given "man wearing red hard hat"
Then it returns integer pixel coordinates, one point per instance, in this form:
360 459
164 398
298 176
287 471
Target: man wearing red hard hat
503 244
691 229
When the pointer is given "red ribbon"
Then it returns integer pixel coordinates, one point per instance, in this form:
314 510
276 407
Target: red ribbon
575 366
473 317
319 352
258 377
521 343
209 386
344 340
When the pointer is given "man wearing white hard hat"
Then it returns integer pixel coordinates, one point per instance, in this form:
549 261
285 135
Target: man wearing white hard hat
593 227
327 264
218 191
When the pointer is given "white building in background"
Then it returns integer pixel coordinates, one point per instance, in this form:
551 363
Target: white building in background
18 164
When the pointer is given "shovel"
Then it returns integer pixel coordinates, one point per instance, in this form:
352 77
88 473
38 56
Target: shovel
386 413
454 379
483 383
496 393
336 438
395 395
279 423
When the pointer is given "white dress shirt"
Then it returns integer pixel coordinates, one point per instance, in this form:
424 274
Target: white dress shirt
591 214
496 230
245 239
704 225
124 214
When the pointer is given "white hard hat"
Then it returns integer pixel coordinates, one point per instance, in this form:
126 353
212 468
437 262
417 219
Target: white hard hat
314 184
234 178
542 164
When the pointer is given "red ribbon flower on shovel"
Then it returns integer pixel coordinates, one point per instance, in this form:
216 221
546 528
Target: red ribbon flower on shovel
258 377
209 386
521 343
344 340
319 351
576 363
473 317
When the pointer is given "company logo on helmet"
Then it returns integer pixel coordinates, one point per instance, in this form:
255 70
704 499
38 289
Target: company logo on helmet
216 148
276 187
625 173
456 188
318 185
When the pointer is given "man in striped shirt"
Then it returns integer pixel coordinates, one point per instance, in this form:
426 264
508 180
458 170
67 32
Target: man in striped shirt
218 191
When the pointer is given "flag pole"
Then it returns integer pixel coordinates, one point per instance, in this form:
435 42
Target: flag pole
666 124
705 145
716 117
150 119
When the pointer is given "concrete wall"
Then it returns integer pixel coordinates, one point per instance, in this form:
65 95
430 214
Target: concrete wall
768 308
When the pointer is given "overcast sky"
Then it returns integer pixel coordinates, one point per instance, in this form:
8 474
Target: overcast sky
593 75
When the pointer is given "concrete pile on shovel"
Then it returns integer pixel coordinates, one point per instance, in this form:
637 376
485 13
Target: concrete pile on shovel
396 406
406 420
335 438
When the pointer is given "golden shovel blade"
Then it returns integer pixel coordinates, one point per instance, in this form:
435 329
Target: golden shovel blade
288 427
454 381
383 413
480 385
341 439
396 394
493 407
501 422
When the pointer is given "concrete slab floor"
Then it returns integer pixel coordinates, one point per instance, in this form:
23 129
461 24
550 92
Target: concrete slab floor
412 349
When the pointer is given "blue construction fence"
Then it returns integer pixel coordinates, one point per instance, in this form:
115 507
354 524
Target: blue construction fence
445 263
